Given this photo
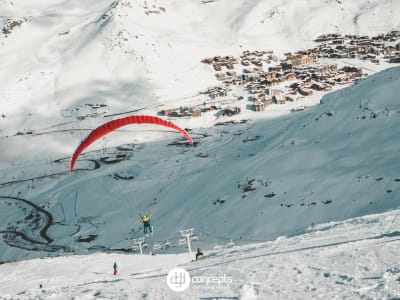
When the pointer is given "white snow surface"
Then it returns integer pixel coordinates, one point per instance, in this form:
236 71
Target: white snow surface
265 183
355 259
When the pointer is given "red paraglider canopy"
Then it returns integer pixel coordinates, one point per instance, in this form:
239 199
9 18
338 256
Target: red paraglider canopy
115 124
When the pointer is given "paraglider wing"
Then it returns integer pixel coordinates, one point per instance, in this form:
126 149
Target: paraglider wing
115 124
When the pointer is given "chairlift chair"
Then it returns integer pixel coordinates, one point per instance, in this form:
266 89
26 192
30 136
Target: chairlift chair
230 244
186 232
218 248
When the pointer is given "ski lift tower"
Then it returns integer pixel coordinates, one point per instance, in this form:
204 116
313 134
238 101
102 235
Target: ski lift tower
139 242
187 233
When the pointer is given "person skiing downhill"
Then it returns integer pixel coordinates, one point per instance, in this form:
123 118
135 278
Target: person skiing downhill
146 223
115 268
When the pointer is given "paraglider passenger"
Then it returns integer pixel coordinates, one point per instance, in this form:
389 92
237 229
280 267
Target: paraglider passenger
146 223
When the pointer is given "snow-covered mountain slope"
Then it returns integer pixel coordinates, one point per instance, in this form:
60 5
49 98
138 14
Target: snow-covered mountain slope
356 259
274 173
248 181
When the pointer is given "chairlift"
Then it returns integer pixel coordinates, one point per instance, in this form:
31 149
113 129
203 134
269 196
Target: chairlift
230 244
156 246
182 242
135 248
218 248
167 245
145 246
194 238
138 241
186 232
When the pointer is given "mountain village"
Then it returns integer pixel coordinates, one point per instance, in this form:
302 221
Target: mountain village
266 80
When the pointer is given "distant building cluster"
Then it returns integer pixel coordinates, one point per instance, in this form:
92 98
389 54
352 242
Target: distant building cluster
196 110
360 47
183 111
217 91
299 67
263 75
221 61
257 58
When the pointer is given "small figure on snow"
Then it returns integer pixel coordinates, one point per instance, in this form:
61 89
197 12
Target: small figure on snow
146 223
115 268
199 254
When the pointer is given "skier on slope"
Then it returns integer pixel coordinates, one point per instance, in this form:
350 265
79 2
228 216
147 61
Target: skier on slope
146 223
115 268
